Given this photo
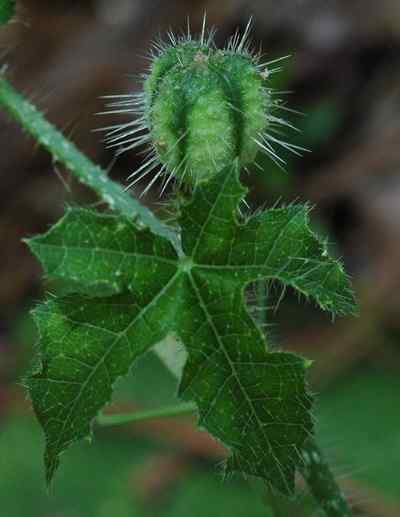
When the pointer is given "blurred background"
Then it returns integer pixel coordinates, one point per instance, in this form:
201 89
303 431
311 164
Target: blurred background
344 77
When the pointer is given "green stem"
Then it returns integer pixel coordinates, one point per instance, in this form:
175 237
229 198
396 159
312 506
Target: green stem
65 152
320 479
150 414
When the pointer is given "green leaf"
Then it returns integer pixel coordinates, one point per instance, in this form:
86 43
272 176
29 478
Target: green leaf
7 10
133 289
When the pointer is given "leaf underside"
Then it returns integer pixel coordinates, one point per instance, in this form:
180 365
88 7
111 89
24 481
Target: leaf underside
130 289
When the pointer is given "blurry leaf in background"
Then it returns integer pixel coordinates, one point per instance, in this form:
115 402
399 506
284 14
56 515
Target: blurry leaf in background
99 480
359 422
100 477
7 10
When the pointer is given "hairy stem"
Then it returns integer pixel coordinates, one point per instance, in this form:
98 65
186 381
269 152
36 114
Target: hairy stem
88 173
318 475
65 152
150 414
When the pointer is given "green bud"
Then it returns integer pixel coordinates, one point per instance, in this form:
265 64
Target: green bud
206 107
201 109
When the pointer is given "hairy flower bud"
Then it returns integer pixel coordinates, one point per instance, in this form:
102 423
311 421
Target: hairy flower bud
206 107
201 108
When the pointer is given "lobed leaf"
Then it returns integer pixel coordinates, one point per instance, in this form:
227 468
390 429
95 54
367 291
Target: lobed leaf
254 401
